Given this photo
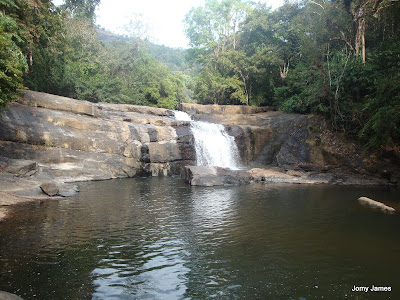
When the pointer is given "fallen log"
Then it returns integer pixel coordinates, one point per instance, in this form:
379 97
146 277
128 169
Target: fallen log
376 204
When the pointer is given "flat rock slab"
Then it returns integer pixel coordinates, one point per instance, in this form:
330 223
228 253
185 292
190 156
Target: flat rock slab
216 176
18 167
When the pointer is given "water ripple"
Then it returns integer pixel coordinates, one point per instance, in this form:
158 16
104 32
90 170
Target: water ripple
161 239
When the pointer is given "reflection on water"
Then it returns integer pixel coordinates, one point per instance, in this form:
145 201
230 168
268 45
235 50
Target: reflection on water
213 210
160 273
159 238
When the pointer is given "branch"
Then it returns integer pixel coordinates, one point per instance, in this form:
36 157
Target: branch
317 4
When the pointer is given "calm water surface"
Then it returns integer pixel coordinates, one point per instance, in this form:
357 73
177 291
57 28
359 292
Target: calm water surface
158 238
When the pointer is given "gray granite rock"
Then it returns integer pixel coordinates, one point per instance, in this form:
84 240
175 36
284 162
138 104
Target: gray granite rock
21 167
49 188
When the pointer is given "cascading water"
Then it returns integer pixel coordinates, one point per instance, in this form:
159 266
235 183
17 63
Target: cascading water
181 116
213 145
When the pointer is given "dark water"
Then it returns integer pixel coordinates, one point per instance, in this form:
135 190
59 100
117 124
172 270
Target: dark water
159 238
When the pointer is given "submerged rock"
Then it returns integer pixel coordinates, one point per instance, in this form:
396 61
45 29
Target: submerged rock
376 204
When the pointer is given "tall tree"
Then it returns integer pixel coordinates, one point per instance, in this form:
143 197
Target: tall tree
213 31
82 8
12 42
30 31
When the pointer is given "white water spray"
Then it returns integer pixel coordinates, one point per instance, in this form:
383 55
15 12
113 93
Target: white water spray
213 145
181 116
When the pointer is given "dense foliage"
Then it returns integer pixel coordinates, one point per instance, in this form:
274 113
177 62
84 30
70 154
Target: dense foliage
337 58
25 27
58 50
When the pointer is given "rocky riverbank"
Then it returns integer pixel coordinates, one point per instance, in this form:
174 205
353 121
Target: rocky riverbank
51 139
216 176
266 137
49 142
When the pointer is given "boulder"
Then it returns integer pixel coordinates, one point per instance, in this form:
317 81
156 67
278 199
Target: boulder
50 188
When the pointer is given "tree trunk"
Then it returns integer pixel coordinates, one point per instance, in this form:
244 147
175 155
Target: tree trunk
284 70
360 37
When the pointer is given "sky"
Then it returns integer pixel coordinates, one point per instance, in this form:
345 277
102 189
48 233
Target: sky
164 18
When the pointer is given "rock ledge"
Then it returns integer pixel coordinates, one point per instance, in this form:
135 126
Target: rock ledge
216 176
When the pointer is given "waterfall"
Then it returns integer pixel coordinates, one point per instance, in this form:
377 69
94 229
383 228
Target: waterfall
213 145
181 116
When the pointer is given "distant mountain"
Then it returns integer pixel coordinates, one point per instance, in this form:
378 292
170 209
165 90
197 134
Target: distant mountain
173 58
108 37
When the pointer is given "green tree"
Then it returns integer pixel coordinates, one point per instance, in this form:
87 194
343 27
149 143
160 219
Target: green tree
45 50
213 31
12 59
147 82
30 33
82 8
87 73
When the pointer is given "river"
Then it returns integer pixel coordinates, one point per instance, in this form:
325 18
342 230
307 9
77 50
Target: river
159 238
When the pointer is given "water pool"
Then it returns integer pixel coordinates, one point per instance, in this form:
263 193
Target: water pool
159 238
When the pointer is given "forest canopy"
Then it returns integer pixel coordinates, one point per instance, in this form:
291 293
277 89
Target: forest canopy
58 50
339 59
